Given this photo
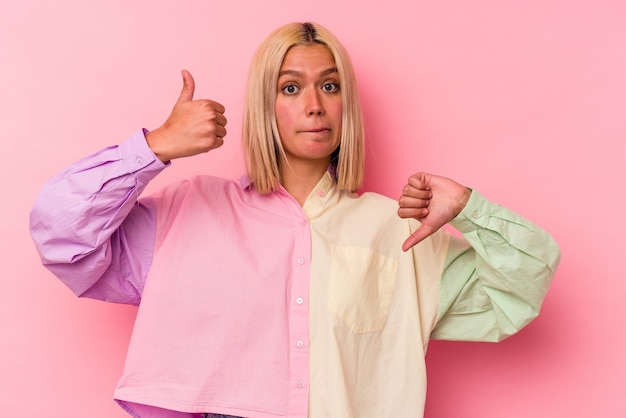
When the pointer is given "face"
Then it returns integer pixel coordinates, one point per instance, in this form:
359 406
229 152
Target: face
308 105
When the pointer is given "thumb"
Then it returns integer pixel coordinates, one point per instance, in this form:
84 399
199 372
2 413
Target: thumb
186 95
420 233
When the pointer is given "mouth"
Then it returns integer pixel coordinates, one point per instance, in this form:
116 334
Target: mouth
316 130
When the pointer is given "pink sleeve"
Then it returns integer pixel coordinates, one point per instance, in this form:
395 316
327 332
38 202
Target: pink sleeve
89 227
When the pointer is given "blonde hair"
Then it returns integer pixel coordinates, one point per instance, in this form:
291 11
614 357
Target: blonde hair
261 141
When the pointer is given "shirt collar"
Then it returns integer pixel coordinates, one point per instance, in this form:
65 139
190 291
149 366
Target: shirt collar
321 197
245 182
319 200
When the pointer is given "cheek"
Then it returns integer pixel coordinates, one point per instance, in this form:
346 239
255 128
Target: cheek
284 118
335 109
337 114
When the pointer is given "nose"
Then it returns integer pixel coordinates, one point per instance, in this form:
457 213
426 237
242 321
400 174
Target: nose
314 106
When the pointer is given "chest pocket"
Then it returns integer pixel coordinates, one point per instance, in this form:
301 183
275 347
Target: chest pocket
361 282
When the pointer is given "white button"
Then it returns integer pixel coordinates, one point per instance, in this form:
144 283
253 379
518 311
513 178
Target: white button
139 161
299 301
300 343
300 384
301 261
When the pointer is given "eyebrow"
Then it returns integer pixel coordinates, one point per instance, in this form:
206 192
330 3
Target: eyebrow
300 73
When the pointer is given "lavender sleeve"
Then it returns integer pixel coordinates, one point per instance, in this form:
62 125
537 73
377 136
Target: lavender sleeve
90 227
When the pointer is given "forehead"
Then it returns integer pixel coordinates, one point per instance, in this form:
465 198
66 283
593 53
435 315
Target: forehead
309 58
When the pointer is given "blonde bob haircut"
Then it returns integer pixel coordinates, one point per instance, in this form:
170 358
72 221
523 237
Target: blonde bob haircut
261 142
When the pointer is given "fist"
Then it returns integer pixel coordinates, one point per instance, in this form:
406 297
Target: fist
193 127
433 200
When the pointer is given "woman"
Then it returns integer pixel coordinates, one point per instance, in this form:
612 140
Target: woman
285 294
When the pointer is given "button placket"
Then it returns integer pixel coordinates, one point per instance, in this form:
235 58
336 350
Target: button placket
299 322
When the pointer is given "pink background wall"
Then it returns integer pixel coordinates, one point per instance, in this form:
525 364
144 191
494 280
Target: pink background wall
525 101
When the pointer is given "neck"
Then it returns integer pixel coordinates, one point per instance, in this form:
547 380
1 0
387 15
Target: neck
300 179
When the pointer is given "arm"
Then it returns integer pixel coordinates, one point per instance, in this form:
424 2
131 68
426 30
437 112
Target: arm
89 228
87 224
495 279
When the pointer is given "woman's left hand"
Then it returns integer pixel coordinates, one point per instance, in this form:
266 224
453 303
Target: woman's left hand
432 200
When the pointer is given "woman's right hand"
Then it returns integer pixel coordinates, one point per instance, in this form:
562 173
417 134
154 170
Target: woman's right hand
193 127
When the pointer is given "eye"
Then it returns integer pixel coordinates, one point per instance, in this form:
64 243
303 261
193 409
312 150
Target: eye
330 87
290 89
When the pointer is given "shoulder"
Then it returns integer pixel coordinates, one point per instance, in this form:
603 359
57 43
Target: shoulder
200 184
199 189
371 202
369 212
207 183
378 214
376 197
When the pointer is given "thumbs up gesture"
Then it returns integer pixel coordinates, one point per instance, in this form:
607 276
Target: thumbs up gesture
432 200
193 127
